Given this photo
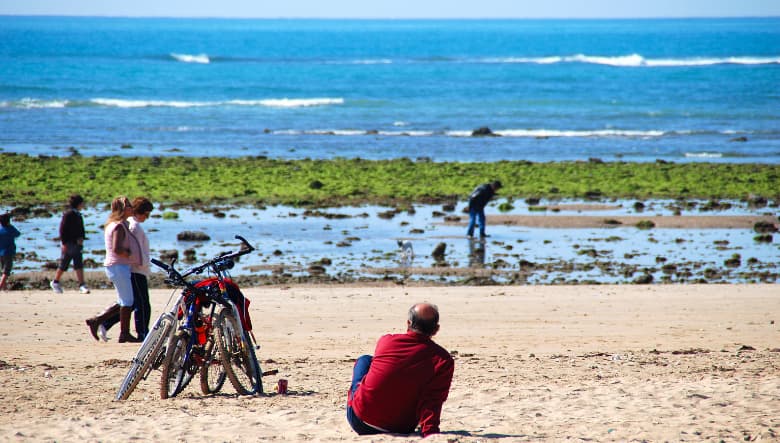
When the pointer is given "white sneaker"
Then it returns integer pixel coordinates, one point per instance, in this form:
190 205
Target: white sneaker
83 289
55 286
103 333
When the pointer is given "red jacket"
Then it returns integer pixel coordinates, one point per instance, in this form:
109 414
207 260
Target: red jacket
407 384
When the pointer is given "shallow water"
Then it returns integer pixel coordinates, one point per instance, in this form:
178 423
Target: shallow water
363 244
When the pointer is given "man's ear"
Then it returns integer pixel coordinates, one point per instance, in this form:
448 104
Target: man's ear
435 330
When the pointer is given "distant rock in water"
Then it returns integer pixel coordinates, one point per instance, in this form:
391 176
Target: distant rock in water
192 236
483 132
739 139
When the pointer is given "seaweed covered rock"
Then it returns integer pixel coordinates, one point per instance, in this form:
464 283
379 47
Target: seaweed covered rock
439 251
192 236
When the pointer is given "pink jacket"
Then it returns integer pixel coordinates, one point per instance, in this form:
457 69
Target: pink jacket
112 258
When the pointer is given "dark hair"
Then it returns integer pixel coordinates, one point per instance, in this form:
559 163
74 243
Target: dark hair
425 326
75 200
142 205
496 184
5 219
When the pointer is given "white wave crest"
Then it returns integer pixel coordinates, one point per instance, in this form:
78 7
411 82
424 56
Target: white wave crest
703 155
545 133
34 103
335 132
122 103
296 102
189 58
636 60
381 61
276 103
530 133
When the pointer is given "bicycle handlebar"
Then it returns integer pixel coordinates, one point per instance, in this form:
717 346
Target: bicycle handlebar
178 278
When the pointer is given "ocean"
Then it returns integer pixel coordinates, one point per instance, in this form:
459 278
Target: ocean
682 90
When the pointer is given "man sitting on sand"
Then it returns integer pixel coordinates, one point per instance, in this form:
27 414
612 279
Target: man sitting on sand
406 381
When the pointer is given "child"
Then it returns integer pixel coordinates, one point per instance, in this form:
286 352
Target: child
8 234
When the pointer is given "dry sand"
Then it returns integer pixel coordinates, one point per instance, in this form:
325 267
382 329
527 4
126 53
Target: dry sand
533 363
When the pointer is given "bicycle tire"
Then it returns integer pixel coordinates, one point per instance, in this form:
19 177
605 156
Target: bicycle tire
212 375
238 356
177 368
148 354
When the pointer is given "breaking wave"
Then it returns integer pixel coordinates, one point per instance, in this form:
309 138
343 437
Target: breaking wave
636 60
33 103
189 58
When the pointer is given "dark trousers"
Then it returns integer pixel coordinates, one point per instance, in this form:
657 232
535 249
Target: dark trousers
141 306
360 370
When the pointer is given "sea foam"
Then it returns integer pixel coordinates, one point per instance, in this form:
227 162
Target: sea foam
34 103
189 58
274 103
703 155
636 60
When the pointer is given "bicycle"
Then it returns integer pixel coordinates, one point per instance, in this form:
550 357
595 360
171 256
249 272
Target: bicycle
204 332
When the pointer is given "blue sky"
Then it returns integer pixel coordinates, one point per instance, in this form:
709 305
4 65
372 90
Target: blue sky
397 8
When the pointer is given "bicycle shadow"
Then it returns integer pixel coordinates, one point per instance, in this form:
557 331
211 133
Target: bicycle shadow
291 393
264 394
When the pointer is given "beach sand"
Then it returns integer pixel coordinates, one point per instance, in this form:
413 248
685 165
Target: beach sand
533 363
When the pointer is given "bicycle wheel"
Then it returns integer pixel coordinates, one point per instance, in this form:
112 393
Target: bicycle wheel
237 355
148 354
178 368
212 375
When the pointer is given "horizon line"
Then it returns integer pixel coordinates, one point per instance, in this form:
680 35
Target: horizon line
227 17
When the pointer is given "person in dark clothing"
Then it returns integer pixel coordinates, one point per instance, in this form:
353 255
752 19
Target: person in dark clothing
405 383
478 199
72 242
8 235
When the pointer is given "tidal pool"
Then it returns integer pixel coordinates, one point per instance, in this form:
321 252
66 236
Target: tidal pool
350 243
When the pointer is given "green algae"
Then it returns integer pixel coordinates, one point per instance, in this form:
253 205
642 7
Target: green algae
28 180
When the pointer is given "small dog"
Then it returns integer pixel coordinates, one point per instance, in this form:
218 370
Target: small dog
406 251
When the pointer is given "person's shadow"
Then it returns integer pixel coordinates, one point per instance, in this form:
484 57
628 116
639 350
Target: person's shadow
488 435
477 253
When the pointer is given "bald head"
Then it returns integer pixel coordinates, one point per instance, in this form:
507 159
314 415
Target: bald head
424 319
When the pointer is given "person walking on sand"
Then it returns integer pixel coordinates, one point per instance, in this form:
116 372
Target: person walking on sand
122 252
142 310
72 244
478 199
8 236
405 382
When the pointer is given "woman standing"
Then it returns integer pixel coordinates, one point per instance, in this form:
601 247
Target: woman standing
100 324
142 207
122 252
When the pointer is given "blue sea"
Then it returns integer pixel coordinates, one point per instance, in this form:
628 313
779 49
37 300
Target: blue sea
683 90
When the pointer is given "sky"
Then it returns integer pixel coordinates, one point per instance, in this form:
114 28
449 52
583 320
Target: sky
396 8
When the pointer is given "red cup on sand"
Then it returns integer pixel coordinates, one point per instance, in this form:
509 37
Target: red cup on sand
281 387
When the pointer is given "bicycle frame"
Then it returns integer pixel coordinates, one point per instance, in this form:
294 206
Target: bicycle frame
197 326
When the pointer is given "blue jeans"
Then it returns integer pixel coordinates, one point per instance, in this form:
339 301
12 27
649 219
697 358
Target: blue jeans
474 215
360 370
120 277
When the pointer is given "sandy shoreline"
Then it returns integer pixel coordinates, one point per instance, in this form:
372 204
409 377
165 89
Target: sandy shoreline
533 363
